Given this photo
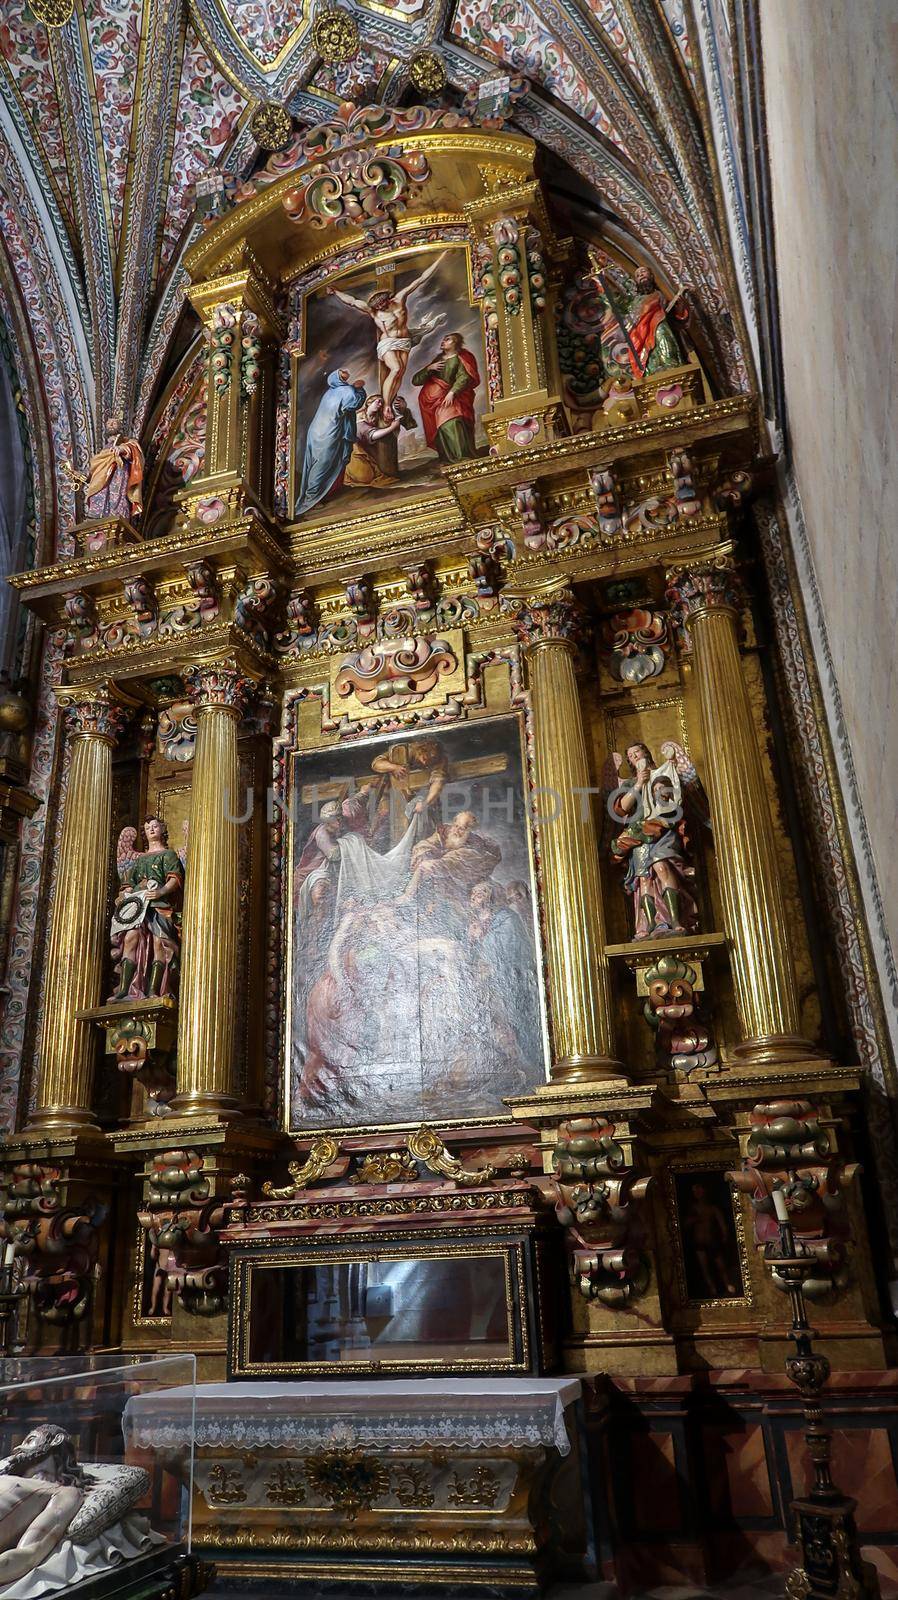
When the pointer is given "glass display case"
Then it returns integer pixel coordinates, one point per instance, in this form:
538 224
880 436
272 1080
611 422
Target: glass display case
386 1305
84 1508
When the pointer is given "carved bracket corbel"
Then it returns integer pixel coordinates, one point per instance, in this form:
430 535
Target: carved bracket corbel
362 602
607 501
56 1237
597 1193
529 508
141 1036
790 1147
182 1218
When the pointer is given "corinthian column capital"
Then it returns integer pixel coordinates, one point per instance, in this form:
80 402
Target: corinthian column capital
219 686
99 712
552 615
709 584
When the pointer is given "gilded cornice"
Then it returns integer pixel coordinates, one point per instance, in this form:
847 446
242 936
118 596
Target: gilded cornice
474 481
249 545
161 657
467 154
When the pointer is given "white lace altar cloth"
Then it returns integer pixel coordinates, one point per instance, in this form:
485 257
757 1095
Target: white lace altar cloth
455 1413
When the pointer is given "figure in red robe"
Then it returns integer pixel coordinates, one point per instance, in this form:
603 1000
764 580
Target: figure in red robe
446 401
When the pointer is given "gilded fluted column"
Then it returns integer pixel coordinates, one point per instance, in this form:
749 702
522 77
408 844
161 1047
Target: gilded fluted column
76 947
549 626
208 995
708 600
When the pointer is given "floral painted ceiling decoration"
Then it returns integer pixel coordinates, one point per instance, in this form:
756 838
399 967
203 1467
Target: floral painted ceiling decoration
113 125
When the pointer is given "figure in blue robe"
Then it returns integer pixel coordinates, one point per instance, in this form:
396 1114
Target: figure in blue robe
329 440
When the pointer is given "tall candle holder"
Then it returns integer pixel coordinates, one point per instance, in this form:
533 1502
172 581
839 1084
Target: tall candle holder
832 1567
12 1293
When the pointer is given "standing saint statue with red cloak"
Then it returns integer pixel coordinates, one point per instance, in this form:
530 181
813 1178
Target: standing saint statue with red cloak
446 401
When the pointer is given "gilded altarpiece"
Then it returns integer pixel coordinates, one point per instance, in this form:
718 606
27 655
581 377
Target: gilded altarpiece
441 904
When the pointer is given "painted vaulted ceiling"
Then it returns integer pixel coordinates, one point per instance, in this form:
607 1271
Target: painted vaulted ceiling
108 120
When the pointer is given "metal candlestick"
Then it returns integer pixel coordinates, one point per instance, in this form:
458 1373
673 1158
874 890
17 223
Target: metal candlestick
11 1296
832 1568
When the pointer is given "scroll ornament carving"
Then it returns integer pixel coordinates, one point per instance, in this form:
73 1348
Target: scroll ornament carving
396 674
790 1149
59 1242
81 614
596 1193
638 643
254 606
425 1145
359 188
182 1219
323 1153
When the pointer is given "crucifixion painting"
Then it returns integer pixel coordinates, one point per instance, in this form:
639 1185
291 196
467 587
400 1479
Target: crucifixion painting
390 387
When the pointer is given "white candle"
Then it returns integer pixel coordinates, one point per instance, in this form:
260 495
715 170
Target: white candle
9 1253
779 1206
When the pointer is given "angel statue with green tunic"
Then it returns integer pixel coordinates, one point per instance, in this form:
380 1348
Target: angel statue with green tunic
146 921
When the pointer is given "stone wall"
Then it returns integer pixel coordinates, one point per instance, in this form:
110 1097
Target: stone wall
831 81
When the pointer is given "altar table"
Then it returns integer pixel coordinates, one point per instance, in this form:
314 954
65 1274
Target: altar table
427 1480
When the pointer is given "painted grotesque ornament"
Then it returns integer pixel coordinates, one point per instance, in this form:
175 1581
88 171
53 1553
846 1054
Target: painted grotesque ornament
648 807
146 923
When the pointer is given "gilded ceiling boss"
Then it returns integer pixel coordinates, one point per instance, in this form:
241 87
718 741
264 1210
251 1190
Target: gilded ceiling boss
444 915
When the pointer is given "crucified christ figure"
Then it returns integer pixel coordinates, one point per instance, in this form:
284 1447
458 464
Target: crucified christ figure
389 313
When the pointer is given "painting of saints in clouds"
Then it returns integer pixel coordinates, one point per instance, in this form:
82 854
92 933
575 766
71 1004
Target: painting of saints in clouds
390 387
414 990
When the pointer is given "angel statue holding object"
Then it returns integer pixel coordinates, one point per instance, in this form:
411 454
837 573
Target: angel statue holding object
654 843
61 1523
146 923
